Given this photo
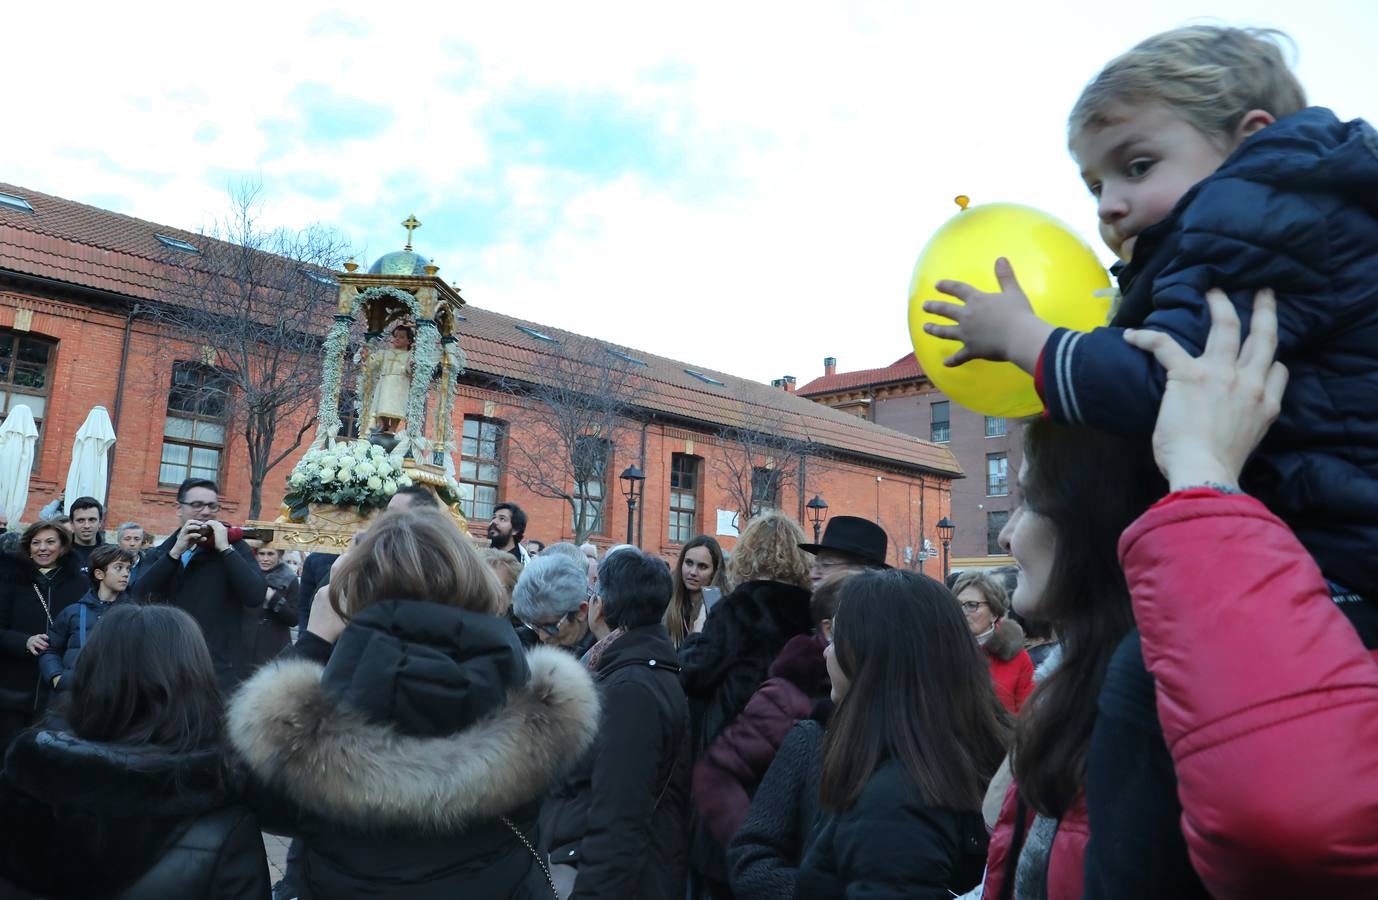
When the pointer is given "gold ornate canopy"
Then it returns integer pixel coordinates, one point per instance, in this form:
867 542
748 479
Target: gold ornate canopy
401 287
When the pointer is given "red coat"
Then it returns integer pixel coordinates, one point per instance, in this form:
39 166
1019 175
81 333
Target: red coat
1010 666
1065 861
1268 700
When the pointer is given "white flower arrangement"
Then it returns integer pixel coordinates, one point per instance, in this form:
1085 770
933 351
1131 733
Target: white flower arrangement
355 474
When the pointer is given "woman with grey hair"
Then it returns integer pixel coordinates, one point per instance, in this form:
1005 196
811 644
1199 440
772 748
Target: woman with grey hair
552 599
986 607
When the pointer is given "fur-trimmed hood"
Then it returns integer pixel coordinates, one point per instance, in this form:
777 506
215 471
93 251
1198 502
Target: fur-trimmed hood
1007 640
337 763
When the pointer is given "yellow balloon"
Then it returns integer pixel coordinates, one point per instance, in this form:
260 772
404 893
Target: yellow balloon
1061 275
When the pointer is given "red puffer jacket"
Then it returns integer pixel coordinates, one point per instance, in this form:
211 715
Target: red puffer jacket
1065 861
734 764
1268 700
1011 669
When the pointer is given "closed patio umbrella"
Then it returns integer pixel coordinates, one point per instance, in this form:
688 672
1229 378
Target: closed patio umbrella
17 438
90 457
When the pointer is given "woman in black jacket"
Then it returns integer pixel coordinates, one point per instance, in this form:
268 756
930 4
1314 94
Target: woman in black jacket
620 820
413 763
34 587
726 662
131 797
268 629
914 740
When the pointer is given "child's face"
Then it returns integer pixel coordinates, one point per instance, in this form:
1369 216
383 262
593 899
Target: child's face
115 576
1139 165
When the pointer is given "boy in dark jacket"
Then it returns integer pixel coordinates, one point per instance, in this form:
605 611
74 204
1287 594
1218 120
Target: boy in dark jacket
108 567
1211 172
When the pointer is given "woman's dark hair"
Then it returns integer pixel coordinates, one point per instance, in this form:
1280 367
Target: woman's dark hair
1090 486
44 525
635 588
680 614
919 693
145 677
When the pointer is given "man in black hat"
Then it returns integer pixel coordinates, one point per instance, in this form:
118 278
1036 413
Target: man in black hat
849 544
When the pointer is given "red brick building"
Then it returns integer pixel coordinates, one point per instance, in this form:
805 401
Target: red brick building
72 337
988 448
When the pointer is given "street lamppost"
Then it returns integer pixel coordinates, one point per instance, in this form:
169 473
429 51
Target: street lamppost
818 511
632 483
945 532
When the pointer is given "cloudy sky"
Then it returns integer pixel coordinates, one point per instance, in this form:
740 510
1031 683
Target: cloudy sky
744 185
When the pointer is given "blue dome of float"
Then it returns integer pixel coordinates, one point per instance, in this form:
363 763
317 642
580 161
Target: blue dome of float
400 262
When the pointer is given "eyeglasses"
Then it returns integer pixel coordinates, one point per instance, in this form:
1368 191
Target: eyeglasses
971 606
549 628
200 505
827 565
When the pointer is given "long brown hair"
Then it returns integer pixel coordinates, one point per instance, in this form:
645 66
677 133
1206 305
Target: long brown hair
146 677
1090 486
680 614
919 693
414 554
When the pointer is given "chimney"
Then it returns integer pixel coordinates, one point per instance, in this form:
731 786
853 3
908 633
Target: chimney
789 382
830 365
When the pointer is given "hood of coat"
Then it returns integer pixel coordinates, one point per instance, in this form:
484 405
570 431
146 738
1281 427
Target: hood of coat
342 764
113 780
97 816
1007 640
801 663
425 669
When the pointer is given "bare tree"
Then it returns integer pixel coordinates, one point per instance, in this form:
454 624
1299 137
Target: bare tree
572 412
256 302
760 461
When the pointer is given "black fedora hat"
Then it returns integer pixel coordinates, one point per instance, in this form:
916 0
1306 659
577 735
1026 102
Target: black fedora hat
853 536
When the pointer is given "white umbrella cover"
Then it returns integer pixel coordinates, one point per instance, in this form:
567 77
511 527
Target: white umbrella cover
86 477
17 438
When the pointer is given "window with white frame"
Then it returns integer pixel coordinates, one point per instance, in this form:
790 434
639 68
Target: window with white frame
194 430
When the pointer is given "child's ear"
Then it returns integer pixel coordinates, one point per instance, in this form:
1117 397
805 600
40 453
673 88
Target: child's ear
98 574
1254 121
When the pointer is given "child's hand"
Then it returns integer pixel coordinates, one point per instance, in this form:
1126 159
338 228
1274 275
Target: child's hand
1217 406
999 327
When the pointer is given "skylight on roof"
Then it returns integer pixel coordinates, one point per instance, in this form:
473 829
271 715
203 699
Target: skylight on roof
320 278
707 379
176 243
625 357
13 202
538 335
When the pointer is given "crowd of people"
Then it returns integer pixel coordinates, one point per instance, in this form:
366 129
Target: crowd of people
1188 709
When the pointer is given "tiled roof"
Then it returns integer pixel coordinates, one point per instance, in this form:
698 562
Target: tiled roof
91 247
906 368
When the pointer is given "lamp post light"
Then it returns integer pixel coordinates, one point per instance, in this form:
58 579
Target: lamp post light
945 531
818 511
632 482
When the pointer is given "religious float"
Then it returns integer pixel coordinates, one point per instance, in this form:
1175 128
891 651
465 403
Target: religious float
394 330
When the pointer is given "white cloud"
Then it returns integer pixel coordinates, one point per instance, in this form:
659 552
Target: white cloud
816 146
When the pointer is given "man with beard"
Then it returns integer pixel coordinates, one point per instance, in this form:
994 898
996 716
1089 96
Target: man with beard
506 530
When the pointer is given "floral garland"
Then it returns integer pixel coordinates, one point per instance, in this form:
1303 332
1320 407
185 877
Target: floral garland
356 474
454 366
425 357
328 413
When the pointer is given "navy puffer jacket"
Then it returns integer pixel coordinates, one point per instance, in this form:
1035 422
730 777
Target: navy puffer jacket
1294 208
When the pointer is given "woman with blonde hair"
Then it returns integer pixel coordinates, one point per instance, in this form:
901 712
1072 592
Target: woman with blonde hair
725 662
412 762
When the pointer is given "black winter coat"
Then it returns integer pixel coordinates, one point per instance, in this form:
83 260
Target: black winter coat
22 616
396 763
139 823
892 846
268 630
723 666
766 852
726 662
65 638
621 816
215 588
